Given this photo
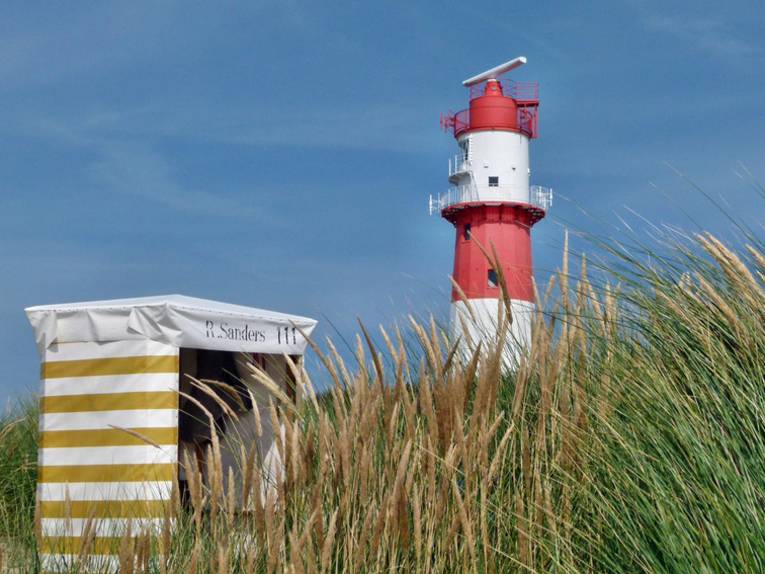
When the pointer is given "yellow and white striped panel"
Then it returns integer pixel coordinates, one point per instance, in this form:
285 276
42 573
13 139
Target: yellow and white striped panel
108 445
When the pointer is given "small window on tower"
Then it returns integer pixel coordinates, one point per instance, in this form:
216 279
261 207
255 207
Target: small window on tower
492 278
466 232
493 181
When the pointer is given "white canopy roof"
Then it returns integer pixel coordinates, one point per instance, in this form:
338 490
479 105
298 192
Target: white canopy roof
172 319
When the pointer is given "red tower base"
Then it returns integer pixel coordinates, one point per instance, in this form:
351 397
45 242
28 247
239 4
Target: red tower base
504 229
501 227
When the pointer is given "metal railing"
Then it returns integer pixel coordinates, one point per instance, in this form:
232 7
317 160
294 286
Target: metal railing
527 121
539 196
452 196
522 91
458 164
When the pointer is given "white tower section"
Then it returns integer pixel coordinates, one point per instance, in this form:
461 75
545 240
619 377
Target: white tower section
492 166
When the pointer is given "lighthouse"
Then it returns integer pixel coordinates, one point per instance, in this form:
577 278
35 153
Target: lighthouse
493 207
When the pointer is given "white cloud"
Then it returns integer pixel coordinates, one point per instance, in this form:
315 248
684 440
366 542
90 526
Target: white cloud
714 36
390 126
137 170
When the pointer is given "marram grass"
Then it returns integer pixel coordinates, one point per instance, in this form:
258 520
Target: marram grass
631 439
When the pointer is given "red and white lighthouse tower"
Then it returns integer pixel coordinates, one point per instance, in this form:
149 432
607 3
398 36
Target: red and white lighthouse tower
491 202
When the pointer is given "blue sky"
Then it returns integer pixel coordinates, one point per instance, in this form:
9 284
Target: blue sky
280 154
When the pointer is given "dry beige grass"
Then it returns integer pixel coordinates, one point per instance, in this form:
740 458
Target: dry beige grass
409 467
627 440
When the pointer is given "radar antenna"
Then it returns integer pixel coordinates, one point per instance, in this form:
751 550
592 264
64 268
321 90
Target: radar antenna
495 72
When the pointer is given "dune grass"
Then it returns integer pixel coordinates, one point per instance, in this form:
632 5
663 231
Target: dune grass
630 439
